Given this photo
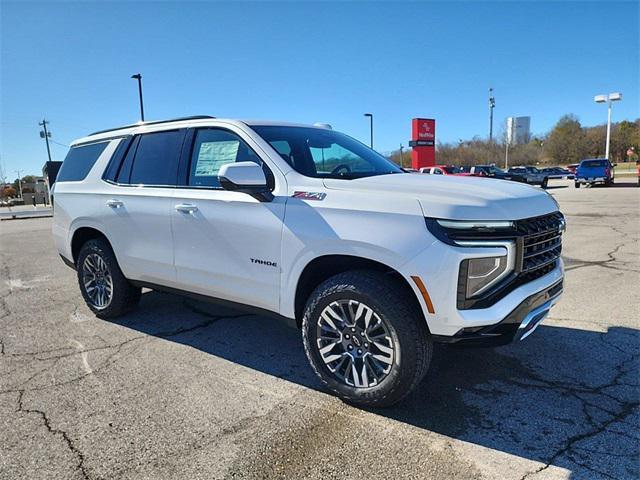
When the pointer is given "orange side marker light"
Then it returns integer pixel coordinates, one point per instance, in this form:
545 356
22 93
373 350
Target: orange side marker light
425 294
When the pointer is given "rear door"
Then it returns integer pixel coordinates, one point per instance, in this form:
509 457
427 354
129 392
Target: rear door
136 206
227 244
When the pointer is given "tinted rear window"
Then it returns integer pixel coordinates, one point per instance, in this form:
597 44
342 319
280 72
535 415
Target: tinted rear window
79 161
156 159
595 163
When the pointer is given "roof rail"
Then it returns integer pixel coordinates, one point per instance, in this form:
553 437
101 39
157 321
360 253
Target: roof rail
155 122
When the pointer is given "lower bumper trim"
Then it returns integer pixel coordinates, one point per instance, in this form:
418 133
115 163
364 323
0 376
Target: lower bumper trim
518 325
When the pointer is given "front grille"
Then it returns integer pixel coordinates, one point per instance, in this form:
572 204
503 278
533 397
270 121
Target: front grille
541 240
538 247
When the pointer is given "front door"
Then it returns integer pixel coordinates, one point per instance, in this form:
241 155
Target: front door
226 244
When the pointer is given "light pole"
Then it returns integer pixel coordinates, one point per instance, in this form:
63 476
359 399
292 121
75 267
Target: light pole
138 77
492 104
19 181
370 115
612 97
401 156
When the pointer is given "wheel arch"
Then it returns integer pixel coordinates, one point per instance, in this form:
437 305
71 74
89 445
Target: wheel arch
321 268
82 235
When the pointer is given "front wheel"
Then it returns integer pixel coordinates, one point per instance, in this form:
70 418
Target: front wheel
577 184
365 339
545 182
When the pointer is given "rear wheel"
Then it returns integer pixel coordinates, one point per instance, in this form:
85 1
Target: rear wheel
105 289
577 184
365 339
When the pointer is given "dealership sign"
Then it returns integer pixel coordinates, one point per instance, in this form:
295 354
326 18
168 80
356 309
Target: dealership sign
423 141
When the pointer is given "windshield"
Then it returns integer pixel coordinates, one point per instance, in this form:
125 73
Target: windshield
533 170
452 170
322 153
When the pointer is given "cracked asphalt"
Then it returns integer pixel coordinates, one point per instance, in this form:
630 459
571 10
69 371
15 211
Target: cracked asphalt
179 389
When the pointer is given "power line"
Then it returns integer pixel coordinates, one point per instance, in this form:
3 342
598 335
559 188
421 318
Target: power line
58 143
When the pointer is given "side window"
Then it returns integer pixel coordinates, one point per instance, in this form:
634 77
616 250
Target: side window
79 161
213 148
156 158
437 171
124 172
111 172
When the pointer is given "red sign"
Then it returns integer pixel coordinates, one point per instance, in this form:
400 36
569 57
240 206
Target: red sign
423 141
423 129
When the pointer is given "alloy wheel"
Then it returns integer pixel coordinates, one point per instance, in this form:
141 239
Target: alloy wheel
355 344
97 281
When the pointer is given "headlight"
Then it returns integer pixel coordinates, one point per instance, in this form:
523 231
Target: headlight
477 275
482 273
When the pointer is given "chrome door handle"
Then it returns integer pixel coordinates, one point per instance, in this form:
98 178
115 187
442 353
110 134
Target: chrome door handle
114 203
186 208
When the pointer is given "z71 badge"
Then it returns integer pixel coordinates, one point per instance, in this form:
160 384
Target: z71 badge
309 195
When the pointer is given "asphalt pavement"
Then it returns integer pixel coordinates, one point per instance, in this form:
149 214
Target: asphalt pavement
179 389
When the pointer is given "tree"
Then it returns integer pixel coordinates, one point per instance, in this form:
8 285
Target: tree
566 141
8 192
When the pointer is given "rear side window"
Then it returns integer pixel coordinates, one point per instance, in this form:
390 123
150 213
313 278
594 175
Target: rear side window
156 158
79 161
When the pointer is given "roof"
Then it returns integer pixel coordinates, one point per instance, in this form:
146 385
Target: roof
158 125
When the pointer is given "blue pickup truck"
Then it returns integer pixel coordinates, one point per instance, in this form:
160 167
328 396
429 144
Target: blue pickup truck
592 171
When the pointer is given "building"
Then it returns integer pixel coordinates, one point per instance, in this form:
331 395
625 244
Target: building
518 130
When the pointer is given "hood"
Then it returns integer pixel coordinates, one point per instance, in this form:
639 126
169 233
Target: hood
456 197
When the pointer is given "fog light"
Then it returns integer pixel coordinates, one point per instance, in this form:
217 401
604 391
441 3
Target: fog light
483 273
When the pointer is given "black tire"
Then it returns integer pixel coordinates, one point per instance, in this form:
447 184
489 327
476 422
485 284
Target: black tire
403 320
545 182
124 296
577 184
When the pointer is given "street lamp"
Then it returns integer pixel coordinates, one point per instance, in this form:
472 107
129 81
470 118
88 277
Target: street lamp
612 97
370 115
19 172
492 105
138 77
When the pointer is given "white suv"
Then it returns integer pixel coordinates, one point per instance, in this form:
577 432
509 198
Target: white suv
372 263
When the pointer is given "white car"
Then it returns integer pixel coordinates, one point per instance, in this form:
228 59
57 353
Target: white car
373 264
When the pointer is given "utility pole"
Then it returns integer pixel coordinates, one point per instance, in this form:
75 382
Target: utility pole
138 77
492 104
401 157
44 133
19 181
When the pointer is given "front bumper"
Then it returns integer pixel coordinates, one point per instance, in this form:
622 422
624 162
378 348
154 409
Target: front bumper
518 325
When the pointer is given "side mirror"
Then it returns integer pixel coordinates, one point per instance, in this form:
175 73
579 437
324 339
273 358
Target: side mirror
245 177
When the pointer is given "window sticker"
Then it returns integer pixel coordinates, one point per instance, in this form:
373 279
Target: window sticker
213 155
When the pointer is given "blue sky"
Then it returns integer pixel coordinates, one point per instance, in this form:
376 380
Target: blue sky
308 62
